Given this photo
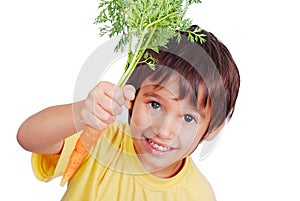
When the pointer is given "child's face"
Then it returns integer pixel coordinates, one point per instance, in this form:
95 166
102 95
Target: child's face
165 130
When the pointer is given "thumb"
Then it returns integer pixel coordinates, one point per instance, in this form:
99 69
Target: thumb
129 92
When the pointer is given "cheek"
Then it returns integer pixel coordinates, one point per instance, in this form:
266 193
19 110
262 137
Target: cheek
190 139
188 136
140 117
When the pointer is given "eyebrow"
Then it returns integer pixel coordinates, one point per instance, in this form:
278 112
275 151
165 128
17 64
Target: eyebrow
152 94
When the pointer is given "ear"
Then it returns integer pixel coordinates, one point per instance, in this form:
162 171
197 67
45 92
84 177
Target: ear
212 134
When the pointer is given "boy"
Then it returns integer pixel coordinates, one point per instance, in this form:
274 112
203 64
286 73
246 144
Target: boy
185 100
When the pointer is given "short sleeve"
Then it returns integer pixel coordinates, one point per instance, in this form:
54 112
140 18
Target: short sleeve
48 167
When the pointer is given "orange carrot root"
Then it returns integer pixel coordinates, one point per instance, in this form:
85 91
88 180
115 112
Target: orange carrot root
84 144
77 156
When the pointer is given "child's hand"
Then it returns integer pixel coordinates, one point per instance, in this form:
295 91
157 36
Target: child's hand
104 103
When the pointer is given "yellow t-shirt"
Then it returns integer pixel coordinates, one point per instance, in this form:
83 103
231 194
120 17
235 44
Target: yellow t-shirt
113 172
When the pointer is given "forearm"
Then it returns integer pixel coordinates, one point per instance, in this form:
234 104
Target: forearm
45 131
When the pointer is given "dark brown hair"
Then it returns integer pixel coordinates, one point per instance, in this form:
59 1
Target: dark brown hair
207 64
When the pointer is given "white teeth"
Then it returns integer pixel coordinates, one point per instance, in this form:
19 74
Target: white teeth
158 147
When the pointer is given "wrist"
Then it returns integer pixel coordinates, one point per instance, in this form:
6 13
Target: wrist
76 109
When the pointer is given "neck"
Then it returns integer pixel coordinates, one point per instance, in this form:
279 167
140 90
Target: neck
170 171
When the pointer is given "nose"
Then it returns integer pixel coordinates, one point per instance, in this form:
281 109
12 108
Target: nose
168 128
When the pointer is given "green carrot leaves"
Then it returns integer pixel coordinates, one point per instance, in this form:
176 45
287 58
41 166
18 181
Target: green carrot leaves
151 22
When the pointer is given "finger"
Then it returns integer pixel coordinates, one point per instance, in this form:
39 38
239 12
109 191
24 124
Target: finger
108 90
93 114
118 97
103 115
103 96
128 92
108 105
90 119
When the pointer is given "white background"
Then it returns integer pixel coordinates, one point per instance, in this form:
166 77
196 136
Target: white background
43 45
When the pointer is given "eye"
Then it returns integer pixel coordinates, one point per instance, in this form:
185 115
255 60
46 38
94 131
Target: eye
189 118
155 105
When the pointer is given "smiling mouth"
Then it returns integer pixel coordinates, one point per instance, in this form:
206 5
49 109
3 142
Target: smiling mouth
157 147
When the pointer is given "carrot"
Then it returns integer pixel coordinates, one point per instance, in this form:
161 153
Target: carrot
83 145
134 19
